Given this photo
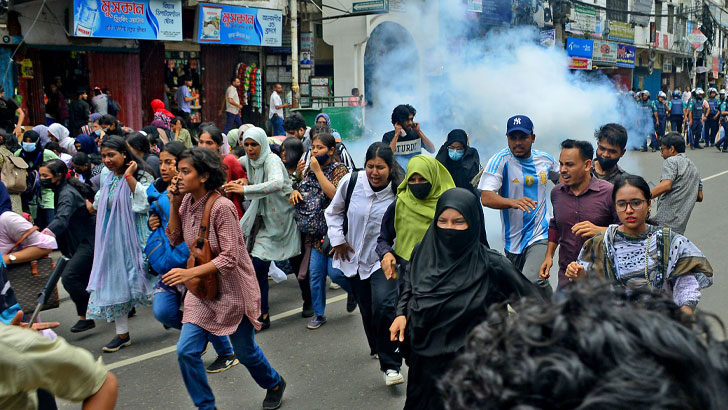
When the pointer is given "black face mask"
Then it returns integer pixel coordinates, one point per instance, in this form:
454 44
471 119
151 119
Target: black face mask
420 191
322 158
47 183
454 239
607 163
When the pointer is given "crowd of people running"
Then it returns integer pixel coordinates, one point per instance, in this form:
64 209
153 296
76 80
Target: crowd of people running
169 218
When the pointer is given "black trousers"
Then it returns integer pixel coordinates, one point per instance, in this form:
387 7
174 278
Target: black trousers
424 373
377 300
676 121
76 275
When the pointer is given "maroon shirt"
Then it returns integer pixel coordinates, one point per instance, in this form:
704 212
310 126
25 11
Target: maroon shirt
594 205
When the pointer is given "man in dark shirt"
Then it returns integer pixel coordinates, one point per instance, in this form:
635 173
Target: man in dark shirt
611 146
407 139
80 111
8 109
583 207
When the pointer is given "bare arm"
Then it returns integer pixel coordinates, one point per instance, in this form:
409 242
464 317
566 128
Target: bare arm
700 196
664 186
28 254
21 118
105 398
492 200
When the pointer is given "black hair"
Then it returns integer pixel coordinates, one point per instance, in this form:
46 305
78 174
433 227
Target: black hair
118 144
383 151
174 120
214 132
206 161
81 158
238 151
58 167
401 113
233 78
54 146
326 139
599 347
174 148
105 90
635 181
97 91
294 122
186 78
139 142
586 150
151 130
615 134
294 151
107 119
9 140
353 90
320 129
675 140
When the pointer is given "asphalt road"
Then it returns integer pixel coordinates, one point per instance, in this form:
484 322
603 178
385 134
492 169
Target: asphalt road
330 368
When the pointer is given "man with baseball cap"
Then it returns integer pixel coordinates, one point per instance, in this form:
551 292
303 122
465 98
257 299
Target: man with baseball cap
514 181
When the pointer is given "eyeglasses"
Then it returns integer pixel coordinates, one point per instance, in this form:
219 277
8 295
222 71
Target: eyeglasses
635 204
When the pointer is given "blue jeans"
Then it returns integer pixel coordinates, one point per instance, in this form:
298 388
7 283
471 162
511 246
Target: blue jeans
276 126
166 311
319 267
189 347
232 120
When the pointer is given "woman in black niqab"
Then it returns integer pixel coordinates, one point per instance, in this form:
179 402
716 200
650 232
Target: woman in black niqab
463 166
452 280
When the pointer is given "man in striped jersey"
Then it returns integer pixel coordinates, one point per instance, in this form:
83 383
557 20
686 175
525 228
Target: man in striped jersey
514 181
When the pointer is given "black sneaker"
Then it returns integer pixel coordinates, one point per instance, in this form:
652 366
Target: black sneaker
222 363
132 312
83 325
273 398
307 310
350 303
117 343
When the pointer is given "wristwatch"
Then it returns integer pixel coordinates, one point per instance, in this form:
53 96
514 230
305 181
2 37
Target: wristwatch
12 258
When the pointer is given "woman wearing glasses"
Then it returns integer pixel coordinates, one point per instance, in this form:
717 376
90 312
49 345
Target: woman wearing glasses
637 254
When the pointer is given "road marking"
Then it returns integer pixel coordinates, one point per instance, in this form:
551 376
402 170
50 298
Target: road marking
171 349
716 175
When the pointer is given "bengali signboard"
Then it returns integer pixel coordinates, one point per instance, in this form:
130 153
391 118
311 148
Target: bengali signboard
585 19
578 63
622 32
626 55
223 24
605 52
138 19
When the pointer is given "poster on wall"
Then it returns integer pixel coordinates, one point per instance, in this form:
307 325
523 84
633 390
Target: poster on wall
138 19
223 24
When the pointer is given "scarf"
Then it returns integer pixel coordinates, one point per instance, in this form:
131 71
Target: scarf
88 145
158 106
42 130
413 216
256 174
464 170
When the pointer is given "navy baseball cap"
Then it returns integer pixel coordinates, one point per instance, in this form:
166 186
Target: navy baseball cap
519 123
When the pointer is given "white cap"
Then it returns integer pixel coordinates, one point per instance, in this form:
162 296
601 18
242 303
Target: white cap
661 94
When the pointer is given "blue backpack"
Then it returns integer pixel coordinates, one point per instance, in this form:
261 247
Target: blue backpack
161 255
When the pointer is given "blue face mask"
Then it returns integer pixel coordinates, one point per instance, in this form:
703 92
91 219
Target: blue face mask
455 155
29 146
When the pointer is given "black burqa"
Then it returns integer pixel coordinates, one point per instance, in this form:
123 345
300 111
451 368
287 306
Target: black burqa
466 168
454 278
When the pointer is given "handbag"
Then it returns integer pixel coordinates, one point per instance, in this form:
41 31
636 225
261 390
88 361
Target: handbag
27 279
161 255
257 225
204 287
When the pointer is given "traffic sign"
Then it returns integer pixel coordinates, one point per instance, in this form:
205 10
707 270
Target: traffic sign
371 6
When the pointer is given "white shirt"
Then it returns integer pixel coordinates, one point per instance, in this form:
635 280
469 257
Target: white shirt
275 101
513 177
366 211
232 92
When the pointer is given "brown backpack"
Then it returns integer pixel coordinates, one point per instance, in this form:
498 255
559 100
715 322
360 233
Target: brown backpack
14 174
204 287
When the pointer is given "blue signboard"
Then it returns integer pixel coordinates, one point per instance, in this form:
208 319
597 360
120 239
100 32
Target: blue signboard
134 19
579 47
626 55
223 24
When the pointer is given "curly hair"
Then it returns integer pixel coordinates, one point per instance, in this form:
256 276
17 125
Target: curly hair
206 161
597 348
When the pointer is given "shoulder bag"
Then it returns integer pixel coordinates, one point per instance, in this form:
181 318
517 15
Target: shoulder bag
204 287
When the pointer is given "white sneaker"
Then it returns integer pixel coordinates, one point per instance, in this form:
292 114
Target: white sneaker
392 377
334 286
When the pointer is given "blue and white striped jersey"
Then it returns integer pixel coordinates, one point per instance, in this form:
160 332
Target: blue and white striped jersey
513 177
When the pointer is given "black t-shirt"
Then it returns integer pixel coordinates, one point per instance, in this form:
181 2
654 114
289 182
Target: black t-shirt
8 106
407 146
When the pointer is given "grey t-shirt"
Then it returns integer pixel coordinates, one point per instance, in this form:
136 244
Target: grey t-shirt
674 207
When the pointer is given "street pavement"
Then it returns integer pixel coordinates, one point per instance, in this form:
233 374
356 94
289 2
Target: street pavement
330 368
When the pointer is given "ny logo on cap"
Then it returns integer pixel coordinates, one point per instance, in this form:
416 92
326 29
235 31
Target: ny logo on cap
516 121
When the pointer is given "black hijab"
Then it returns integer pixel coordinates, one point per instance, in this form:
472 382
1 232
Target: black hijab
464 170
455 278
5 204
